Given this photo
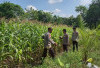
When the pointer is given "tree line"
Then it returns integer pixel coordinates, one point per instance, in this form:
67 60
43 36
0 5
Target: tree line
89 17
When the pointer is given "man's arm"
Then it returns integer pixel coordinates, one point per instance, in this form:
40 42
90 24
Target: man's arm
67 38
60 37
49 38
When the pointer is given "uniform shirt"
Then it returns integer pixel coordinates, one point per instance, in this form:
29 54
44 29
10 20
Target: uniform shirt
47 40
65 39
75 36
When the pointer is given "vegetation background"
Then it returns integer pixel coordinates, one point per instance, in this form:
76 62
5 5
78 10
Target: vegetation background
21 45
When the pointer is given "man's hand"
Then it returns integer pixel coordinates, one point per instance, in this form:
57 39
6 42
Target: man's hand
55 44
60 37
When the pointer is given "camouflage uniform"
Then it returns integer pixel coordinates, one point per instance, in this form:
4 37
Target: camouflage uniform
65 42
75 37
47 45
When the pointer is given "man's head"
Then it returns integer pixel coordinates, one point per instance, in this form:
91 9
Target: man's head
74 28
64 31
50 29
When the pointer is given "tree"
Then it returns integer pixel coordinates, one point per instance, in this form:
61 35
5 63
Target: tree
31 14
44 16
65 21
10 10
93 14
79 21
82 10
71 20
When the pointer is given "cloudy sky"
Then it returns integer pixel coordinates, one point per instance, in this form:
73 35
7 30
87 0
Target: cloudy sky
63 8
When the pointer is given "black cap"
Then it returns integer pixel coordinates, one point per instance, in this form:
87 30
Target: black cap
74 27
50 28
64 30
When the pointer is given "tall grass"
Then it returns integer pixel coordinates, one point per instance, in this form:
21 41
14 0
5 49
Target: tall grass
21 45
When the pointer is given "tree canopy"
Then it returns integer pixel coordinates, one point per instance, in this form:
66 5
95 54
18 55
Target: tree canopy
93 14
82 10
89 16
10 10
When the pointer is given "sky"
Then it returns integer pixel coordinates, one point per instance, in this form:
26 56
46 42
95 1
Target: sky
63 8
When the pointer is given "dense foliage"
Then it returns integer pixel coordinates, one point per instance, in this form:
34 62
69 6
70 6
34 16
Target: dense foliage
10 10
21 45
93 14
82 10
90 16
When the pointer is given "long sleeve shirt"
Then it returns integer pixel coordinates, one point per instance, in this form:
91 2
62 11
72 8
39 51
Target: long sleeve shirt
47 40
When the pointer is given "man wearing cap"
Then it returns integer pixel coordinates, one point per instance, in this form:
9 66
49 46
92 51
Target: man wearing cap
47 44
75 37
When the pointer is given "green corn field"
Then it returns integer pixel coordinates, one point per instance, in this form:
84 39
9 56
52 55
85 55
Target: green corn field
21 45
